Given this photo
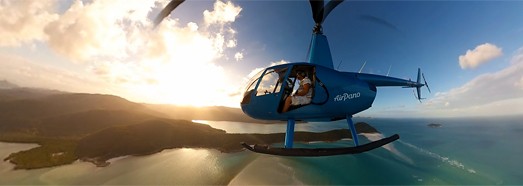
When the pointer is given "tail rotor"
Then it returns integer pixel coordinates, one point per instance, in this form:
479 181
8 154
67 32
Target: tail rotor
418 85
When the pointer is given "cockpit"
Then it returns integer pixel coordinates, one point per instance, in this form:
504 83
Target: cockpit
271 86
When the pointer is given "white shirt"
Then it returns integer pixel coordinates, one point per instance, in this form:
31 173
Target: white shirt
304 81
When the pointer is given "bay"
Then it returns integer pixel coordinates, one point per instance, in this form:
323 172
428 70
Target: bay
462 151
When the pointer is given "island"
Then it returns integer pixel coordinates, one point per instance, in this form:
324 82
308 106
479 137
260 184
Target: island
95 128
434 125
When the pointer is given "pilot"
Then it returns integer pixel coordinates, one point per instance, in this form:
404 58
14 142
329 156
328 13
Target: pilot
303 95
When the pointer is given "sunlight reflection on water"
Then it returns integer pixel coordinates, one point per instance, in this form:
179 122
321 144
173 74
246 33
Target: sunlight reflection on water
240 127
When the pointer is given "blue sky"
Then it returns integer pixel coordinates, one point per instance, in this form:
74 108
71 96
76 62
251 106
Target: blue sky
110 47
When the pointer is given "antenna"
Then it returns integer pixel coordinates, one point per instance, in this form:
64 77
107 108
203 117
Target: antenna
362 67
389 70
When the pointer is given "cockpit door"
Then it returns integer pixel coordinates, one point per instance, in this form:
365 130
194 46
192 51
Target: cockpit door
270 89
264 94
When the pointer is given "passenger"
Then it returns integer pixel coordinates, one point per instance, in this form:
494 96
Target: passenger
303 95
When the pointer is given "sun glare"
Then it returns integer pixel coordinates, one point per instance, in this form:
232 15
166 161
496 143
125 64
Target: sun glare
172 63
186 74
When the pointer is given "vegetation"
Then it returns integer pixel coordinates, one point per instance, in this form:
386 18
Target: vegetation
156 135
50 153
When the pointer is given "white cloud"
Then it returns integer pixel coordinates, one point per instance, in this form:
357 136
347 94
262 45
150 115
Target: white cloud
231 43
179 65
22 21
173 63
480 55
222 13
98 29
192 26
483 92
238 56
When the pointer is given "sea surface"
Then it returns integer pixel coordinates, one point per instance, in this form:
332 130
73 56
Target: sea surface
473 151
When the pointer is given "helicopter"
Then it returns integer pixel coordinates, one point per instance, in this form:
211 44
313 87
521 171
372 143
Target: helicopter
336 95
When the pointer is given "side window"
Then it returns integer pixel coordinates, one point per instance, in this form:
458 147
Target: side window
272 81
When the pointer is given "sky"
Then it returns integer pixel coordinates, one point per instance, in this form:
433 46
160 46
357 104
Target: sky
471 52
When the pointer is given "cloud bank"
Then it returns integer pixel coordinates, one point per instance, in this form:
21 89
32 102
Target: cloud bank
21 22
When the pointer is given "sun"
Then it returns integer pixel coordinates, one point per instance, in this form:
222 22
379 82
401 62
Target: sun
186 84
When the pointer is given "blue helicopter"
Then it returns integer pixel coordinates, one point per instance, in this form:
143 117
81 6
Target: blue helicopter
335 95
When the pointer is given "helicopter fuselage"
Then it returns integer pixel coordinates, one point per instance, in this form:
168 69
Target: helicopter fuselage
335 95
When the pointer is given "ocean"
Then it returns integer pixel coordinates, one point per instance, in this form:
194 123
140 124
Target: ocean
473 151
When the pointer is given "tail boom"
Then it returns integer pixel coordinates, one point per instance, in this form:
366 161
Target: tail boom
383 81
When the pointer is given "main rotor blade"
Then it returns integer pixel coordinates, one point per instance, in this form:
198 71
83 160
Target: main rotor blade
329 7
379 21
317 7
166 11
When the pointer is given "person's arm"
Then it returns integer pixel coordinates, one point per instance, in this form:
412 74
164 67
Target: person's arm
305 90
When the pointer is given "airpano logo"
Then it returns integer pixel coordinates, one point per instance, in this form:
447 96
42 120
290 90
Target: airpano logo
346 96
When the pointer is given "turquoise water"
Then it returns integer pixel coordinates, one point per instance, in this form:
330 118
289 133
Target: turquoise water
462 151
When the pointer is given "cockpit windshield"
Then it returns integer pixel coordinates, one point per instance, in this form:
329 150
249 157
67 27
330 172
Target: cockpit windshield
272 81
252 82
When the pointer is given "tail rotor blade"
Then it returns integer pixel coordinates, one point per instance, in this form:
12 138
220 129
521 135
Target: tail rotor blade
426 84
418 90
416 96
166 11
419 85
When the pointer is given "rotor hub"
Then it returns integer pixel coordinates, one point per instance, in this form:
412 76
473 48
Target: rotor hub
317 29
